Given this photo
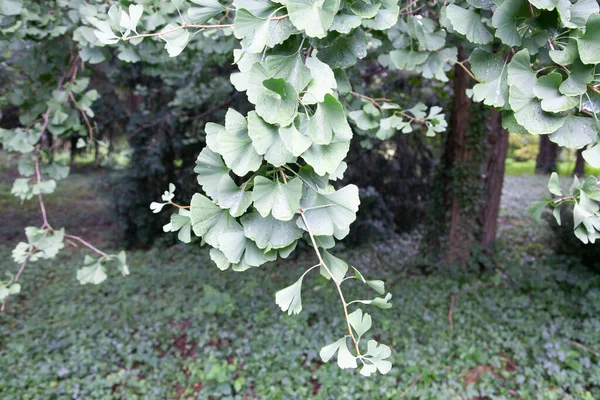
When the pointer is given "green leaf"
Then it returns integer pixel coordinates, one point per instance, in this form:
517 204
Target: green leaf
530 115
336 266
579 77
236 146
278 103
544 4
279 199
314 17
592 156
345 50
294 141
556 214
289 68
520 73
209 220
386 17
360 322
567 54
207 10
322 81
329 122
268 232
589 43
554 185
210 169
536 209
290 298
345 23
267 142
546 89
176 39
407 59
345 359
576 132
380 302
330 213
377 285
377 355
578 13
92 272
241 252
180 223
325 159
468 23
10 7
427 33
232 197
491 70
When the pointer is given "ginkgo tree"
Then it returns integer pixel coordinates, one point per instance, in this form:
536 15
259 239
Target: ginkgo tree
268 177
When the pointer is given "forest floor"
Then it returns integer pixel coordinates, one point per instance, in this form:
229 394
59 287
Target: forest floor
177 327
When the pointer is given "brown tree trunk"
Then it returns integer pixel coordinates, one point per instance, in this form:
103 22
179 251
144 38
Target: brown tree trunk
579 163
456 153
545 162
494 178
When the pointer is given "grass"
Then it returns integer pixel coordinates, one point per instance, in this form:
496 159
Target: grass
520 168
179 328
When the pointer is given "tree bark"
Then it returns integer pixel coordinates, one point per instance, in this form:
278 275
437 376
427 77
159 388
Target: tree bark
494 178
457 153
579 163
545 162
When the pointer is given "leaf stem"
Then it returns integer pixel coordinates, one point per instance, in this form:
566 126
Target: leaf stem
88 245
337 284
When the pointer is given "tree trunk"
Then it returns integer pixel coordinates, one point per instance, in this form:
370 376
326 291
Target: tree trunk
455 155
579 163
494 178
545 162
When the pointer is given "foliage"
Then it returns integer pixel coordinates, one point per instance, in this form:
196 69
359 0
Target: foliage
268 172
522 147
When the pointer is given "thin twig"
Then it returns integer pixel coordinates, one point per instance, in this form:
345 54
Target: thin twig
412 385
581 346
461 64
84 115
337 284
86 244
16 279
38 176
456 295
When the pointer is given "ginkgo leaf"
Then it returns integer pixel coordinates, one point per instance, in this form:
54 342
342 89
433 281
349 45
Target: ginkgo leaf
329 122
530 115
325 159
520 73
92 272
233 197
576 132
314 18
377 355
566 54
592 156
330 213
241 252
544 4
209 220
322 81
407 59
504 20
588 44
335 265
176 39
269 233
546 89
492 71
468 23
207 10
386 16
294 141
210 169
277 102
360 322
345 50
267 141
236 146
290 298
345 359
579 77
554 185
279 199
289 68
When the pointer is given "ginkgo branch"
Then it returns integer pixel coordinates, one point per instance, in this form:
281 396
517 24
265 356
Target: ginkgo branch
337 284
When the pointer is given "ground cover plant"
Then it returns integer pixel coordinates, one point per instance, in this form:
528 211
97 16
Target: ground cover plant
181 330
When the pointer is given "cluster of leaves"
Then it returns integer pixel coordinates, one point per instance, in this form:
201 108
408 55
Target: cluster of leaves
584 196
123 340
